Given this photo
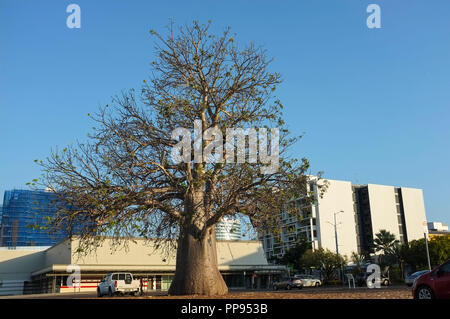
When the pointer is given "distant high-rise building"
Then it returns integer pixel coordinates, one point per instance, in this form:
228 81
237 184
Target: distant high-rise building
437 229
24 217
361 211
228 229
1 213
437 226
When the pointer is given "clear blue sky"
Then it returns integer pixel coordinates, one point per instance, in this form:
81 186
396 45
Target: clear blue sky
374 104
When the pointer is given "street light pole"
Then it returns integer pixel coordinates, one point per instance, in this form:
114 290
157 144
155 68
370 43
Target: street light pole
428 252
337 245
335 232
425 234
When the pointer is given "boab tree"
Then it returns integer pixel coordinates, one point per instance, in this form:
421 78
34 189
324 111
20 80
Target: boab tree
124 181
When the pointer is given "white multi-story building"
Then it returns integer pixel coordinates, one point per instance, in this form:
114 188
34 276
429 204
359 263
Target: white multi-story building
356 213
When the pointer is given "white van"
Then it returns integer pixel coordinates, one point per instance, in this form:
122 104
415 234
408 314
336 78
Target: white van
118 282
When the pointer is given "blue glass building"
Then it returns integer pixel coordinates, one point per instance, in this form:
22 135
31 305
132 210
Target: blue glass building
23 209
1 213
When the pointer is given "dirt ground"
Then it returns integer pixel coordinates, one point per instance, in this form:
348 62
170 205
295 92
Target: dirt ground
391 292
400 292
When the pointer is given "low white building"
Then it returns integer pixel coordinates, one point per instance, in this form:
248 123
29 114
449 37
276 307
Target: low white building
44 270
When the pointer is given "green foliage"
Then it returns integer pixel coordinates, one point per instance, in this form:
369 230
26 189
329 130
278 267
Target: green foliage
359 260
439 248
325 260
396 274
293 256
414 254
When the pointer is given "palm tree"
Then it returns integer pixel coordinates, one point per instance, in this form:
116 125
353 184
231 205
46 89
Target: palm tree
384 242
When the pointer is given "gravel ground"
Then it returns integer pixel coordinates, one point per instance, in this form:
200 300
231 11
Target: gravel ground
391 292
306 293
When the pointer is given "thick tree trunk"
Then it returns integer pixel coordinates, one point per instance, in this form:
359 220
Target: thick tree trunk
197 270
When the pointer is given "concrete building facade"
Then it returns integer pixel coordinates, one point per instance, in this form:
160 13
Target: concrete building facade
357 211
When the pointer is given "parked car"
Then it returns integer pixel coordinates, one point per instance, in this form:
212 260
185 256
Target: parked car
361 279
434 284
288 283
309 281
119 282
409 280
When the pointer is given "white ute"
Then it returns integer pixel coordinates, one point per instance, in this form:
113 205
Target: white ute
118 282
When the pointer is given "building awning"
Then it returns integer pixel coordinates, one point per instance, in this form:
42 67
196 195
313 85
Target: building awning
62 269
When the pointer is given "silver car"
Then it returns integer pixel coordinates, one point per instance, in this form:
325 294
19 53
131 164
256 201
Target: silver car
409 280
288 283
309 281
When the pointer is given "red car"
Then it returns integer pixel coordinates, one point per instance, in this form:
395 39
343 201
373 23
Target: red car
434 284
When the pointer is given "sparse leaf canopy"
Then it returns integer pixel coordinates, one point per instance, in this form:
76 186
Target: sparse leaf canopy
124 181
